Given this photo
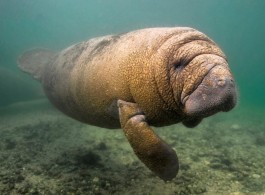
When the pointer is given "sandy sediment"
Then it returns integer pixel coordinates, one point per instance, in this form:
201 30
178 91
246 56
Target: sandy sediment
44 152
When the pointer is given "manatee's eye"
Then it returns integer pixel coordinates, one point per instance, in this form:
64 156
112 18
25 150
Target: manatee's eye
178 65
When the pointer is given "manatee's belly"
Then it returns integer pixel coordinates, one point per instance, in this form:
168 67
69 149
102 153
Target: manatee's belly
94 105
101 115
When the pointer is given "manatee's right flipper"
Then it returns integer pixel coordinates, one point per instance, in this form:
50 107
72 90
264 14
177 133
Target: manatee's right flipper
34 61
157 155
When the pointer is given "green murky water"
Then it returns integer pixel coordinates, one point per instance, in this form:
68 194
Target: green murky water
237 26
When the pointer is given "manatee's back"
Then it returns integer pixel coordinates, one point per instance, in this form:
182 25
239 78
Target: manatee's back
53 70
56 72
40 64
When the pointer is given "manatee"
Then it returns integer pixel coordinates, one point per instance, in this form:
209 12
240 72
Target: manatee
135 80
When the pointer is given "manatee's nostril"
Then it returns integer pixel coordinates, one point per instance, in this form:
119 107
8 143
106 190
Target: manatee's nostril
221 82
231 82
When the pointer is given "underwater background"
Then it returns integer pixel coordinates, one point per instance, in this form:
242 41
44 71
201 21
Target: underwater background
223 155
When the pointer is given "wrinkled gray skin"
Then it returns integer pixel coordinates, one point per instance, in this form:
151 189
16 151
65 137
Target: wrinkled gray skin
156 76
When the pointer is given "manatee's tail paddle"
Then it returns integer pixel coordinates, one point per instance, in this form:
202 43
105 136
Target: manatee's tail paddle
34 61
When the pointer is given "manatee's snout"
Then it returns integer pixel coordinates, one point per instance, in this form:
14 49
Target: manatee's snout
216 92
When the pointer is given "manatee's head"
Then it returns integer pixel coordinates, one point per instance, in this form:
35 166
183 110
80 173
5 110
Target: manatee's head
203 83
213 90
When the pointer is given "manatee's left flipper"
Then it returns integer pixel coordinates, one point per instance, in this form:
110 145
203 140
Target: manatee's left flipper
157 155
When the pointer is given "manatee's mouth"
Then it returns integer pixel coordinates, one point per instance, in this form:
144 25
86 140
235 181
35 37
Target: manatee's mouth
184 96
214 93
